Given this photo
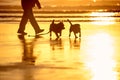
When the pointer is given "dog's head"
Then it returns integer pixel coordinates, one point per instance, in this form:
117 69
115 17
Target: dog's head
57 26
61 25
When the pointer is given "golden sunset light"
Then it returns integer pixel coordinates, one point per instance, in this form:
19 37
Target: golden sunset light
101 50
59 39
103 18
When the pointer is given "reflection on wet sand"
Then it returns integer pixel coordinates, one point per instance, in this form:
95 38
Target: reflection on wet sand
28 48
64 50
76 43
56 43
88 58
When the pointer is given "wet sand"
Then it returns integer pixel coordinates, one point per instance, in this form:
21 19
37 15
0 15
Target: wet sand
94 56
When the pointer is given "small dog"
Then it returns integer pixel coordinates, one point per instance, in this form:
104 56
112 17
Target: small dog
56 28
75 28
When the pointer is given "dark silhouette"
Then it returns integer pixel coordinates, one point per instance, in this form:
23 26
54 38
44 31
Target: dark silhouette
27 6
75 28
28 48
56 28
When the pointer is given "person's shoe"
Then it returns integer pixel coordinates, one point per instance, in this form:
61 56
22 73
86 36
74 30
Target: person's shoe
41 30
22 33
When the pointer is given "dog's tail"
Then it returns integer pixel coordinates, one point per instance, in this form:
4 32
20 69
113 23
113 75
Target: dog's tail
69 22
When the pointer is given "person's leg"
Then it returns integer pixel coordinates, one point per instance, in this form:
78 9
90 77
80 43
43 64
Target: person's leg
23 23
34 23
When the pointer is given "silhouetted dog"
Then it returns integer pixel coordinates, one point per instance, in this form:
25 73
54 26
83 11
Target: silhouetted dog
56 28
75 28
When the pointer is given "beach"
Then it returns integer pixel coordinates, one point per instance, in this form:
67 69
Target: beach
94 56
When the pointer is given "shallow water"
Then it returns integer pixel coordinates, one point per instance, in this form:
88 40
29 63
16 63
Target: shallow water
13 15
94 56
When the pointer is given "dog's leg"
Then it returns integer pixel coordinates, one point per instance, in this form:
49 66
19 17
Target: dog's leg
75 35
50 33
79 33
60 33
57 35
69 33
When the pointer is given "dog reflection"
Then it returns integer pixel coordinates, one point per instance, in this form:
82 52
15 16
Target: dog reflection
56 44
28 49
75 43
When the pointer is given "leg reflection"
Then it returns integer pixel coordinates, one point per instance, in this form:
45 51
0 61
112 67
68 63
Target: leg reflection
28 49
75 43
56 44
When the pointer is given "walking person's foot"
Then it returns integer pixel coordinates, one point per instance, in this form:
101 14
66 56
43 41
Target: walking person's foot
41 30
22 33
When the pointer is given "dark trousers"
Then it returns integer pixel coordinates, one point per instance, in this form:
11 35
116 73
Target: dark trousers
28 15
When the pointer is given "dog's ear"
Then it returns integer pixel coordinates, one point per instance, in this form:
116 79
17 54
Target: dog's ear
68 20
53 21
62 21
